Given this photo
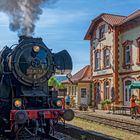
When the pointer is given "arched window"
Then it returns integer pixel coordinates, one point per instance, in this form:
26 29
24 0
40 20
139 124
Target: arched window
97 60
106 57
127 53
127 95
98 92
127 92
106 90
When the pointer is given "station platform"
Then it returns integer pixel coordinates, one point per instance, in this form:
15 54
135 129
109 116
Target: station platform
110 114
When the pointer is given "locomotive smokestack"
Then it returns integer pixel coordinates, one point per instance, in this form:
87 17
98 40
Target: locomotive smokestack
23 14
23 37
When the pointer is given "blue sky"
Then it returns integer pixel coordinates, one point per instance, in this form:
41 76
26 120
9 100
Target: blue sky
64 24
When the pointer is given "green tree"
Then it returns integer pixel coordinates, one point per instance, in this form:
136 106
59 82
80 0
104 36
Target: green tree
53 82
61 86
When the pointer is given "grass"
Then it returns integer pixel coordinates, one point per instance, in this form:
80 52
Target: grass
120 134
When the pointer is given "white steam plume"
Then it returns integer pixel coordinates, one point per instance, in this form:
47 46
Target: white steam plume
23 14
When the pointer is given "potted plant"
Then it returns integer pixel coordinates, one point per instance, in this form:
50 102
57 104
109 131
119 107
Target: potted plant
103 105
108 103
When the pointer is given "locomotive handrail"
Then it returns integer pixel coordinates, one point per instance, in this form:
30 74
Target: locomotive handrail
13 45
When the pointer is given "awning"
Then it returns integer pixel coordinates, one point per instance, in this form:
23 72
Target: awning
135 85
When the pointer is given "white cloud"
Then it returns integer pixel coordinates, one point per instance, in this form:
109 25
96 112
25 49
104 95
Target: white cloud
4 20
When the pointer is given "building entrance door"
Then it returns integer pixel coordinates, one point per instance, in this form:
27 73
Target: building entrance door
127 93
84 99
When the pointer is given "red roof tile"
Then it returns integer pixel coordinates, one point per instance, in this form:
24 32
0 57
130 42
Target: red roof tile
81 76
113 19
87 75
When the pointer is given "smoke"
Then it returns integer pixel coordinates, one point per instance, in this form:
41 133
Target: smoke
23 14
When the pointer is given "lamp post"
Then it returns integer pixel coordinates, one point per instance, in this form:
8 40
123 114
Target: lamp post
69 76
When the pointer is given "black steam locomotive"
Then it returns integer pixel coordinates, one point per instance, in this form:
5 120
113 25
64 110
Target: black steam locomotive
27 106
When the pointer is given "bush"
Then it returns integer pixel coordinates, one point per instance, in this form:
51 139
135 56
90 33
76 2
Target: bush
108 101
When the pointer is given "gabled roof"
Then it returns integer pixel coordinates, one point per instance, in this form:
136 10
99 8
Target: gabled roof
113 20
131 17
84 75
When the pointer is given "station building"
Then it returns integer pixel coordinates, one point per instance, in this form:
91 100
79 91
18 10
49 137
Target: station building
79 88
114 56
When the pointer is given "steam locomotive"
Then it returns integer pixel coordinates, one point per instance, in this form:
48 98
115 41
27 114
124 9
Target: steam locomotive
27 105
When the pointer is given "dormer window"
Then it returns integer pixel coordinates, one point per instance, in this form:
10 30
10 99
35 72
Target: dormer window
101 31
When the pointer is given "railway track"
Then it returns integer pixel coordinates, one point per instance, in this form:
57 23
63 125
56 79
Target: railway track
120 124
70 132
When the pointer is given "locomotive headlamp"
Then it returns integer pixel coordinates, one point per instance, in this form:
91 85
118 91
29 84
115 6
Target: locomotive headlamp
18 103
59 103
36 49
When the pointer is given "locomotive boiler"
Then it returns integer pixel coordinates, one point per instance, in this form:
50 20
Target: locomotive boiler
27 106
